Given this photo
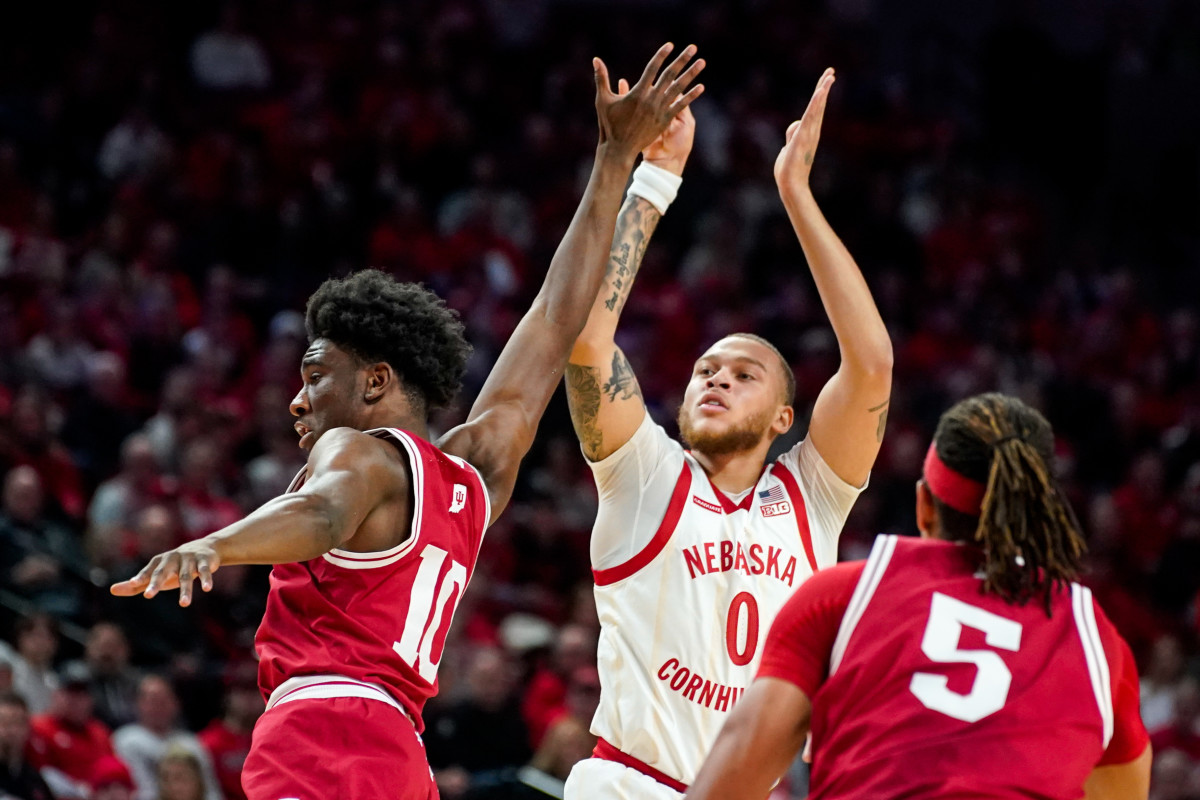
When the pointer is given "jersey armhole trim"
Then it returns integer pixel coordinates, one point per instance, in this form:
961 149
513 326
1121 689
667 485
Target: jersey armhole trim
864 590
487 498
799 509
666 529
383 558
1093 653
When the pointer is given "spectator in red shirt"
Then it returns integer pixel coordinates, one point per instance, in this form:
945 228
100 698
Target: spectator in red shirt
545 699
111 780
227 739
72 738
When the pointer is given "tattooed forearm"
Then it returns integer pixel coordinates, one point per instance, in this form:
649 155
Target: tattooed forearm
635 226
882 408
583 397
623 384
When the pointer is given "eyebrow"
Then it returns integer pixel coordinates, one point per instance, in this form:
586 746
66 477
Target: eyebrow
735 359
310 360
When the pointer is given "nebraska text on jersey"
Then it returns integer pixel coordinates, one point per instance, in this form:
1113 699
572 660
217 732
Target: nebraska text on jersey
688 581
703 559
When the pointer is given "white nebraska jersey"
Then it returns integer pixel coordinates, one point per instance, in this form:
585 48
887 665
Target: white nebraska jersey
688 581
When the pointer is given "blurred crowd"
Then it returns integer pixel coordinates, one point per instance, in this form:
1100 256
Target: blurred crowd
1020 183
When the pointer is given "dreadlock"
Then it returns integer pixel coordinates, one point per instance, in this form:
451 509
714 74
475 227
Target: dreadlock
1029 534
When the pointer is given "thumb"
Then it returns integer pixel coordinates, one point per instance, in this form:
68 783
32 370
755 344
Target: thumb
622 86
603 86
791 131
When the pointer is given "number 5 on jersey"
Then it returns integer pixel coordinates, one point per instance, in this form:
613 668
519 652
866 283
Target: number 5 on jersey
424 619
989 690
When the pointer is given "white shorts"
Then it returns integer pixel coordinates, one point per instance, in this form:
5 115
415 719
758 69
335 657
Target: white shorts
599 779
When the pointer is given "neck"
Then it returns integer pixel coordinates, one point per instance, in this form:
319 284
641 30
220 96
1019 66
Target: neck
734 472
402 418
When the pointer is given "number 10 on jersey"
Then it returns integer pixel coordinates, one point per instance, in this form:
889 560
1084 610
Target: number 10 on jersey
425 617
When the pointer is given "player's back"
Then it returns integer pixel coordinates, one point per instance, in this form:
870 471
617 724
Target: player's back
374 624
938 690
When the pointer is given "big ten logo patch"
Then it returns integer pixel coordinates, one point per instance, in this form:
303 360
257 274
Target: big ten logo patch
775 509
458 498
773 503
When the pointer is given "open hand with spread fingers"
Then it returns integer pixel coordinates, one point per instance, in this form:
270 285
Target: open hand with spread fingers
178 568
632 121
794 163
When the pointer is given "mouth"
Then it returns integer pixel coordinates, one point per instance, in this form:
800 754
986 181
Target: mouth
304 432
711 402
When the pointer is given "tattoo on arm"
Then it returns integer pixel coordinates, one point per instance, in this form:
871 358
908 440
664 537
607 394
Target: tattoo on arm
583 396
635 226
623 382
883 409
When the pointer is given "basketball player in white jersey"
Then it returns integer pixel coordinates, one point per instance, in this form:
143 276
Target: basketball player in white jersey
694 551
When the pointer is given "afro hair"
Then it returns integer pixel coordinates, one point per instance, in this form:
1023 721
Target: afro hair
379 319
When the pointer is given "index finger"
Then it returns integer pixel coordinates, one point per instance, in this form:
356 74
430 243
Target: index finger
816 105
134 585
655 64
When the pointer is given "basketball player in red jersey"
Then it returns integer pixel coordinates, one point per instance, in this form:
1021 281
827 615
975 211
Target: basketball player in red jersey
376 539
966 663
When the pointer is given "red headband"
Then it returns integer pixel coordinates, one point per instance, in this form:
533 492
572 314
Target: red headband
953 488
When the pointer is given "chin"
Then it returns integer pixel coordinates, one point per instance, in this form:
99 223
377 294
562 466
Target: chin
720 439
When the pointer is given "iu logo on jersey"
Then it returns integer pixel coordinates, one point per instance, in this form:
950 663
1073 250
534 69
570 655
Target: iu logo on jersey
459 498
773 503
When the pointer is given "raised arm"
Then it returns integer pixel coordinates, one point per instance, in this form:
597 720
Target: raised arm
502 423
851 411
351 476
602 391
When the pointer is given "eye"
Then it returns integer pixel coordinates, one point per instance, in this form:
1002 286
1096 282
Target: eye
746 376
314 377
704 371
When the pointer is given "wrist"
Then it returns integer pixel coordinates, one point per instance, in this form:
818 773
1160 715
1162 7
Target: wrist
671 165
796 194
655 185
609 155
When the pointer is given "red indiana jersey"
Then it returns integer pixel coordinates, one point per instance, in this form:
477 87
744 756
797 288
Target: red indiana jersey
924 686
373 625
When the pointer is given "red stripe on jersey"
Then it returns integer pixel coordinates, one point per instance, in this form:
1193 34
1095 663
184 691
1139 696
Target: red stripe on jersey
608 752
683 486
728 505
799 509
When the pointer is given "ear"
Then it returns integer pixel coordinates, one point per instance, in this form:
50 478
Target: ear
784 420
927 522
380 377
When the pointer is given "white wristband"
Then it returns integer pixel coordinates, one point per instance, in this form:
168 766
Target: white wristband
655 185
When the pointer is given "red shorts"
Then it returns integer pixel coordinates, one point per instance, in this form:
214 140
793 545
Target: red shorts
339 748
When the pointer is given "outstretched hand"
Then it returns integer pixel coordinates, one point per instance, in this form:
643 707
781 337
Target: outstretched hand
794 163
174 569
633 120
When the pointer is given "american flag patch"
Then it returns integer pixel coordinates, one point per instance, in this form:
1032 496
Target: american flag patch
772 495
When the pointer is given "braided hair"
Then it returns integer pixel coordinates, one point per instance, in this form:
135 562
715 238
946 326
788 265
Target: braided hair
1029 534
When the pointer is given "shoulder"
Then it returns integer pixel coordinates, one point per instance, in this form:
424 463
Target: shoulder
342 448
825 594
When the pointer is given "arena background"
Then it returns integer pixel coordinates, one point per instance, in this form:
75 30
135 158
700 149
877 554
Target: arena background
1019 181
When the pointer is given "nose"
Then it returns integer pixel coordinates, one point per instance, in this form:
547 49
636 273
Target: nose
299 405
719 378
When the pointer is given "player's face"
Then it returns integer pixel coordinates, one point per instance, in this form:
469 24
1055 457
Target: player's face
734 398
325 401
